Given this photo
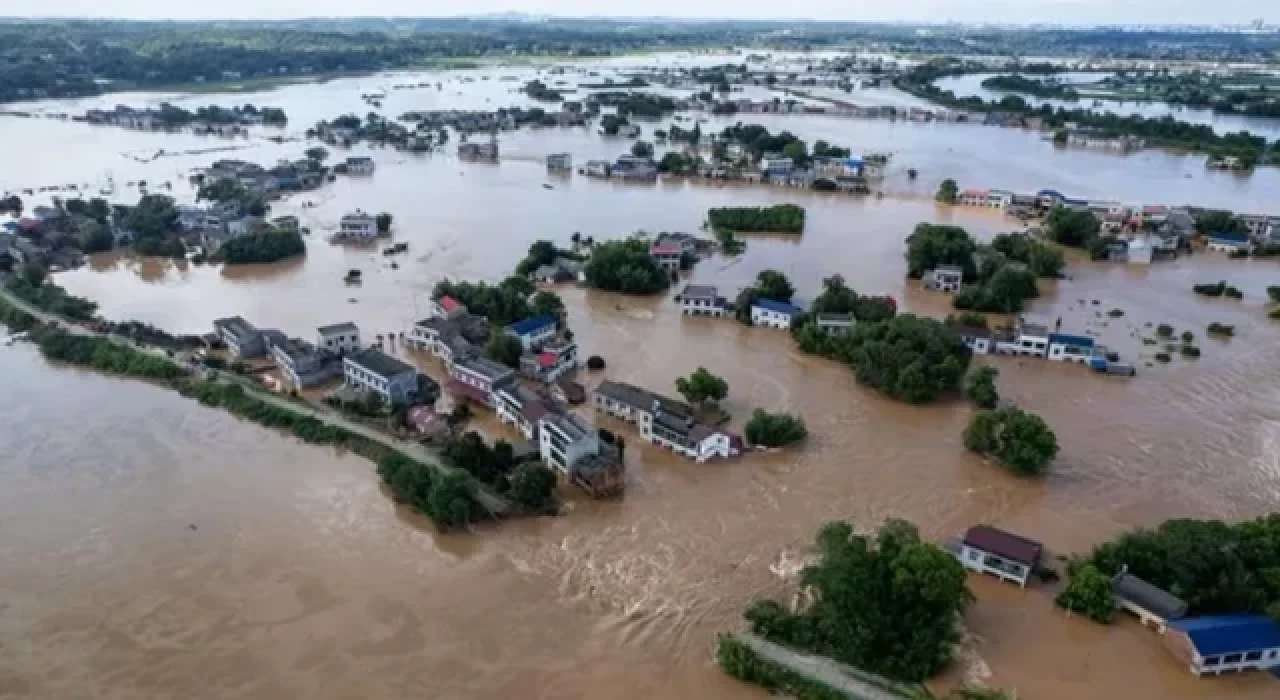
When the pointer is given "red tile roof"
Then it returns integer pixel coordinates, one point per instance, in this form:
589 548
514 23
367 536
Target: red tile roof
1004 544
449 304
548 359
665 249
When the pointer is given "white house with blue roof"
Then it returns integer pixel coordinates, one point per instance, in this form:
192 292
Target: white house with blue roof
1222 643
1224 242
533 332
772 313
1065 347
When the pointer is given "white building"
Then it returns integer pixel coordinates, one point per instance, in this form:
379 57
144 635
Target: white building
340 338
564 440
1007 556
1031 340
372 370
358 226
773 314
1225 643
835 323
945 278
520 408
533 332
701 300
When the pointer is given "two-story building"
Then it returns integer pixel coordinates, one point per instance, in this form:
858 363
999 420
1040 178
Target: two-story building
1007 556
477 378
772 313
358 226
560 162
701 300
242 338
339 338
944 278
666 255
564 440
1224 643
305 365
551 362
373 370
519 407
1031 339
533 332
665 422
1064 347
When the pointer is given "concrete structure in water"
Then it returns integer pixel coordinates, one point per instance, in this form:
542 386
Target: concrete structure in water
358 226
944 278
701 300
1002 554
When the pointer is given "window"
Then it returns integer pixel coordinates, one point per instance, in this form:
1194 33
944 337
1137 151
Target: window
1253 656
1232 658
1273 654
1211 661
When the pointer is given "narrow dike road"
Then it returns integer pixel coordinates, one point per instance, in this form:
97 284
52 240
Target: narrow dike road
494 503
834 674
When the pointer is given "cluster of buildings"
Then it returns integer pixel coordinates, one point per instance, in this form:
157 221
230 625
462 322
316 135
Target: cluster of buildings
565 442
232 122
1036 340
705 300
337 352
47 238
1143 232
626 167
505 119
1207 645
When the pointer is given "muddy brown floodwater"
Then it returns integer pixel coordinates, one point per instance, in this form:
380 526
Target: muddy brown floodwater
152 547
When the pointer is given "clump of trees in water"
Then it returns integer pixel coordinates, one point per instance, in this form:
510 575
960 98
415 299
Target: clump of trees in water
1215 567
1001 275
1217 290
1019 440
529 483
625 266
268 247
980 387
780 218
889 603
503 303
775 429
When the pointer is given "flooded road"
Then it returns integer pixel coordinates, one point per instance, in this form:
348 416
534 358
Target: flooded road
300 578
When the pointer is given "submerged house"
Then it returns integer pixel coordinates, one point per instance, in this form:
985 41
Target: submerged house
1153 606
1002 554
1223 643
944 278
665 422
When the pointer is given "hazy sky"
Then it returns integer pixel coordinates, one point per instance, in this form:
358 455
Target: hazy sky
1011 11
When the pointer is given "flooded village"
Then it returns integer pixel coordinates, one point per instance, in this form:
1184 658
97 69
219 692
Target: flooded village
671 520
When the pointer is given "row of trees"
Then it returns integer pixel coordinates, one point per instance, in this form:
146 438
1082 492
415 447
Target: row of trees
782 218
174 116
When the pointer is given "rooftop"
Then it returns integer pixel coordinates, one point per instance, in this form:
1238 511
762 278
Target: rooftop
972 332
237 326
1149 597
1034 329
950 269
339 328
571 425
774 305
1004 544
449 304
530 325
835 318
1224 634
637 397
484 367
1232 237
1067 339
377 362
699 291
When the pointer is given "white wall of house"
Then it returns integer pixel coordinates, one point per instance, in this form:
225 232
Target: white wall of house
761 316
1061 352
1256 660
701 307
979 346
981 561
342 342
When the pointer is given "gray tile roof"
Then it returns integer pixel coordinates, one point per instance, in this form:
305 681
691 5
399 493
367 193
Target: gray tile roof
236 326
485 367
642 399
699 291
379 363
339 328
1147 596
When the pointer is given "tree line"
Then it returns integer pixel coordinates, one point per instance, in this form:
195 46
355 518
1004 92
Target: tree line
780 218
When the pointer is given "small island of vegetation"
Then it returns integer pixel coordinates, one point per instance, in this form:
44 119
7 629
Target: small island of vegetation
780 218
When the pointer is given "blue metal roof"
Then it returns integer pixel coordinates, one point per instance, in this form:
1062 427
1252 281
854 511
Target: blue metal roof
853 161
1231 237
1050 193
1074 340
529 325
1227 634
781 307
